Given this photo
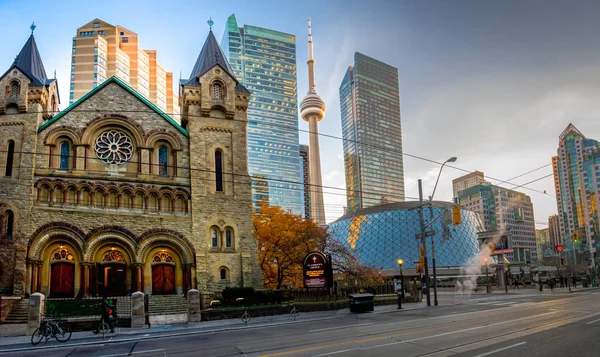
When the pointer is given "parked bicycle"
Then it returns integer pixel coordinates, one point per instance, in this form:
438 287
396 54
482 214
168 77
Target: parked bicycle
48 328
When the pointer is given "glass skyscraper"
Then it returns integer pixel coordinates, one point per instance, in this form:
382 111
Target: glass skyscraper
264 61
370 111
576 170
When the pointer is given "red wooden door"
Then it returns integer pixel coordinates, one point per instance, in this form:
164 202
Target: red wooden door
62 278
163 279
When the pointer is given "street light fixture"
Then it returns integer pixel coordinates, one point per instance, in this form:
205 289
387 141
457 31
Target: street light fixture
401 293
435 299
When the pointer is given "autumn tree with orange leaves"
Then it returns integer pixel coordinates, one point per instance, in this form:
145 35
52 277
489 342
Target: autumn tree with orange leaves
284 239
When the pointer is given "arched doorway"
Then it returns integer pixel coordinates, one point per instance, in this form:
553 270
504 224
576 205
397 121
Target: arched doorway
62 274
111 274
163 274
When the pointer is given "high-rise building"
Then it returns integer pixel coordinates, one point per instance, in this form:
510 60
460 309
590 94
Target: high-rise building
554 228
264 61
305 161
544 247
313 110
370 111
576 170
467 181
101 50
507 215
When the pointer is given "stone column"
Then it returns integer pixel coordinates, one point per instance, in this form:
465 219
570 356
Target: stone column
145 161
138 310
36 307
86 279
138 276
194 308
80 157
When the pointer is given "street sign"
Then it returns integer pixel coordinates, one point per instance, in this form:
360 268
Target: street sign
430 233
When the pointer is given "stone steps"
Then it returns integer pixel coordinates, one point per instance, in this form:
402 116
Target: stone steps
19 313
167 304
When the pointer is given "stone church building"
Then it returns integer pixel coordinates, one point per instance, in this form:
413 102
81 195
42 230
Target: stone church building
112 196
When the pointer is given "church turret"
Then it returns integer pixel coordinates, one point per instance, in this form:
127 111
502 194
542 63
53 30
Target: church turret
25 83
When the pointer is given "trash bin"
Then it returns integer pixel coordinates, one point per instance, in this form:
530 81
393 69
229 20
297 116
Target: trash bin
361 302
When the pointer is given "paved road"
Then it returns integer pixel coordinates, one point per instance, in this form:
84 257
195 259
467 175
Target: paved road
559 324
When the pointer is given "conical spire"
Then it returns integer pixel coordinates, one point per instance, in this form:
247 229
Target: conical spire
210 56
30 63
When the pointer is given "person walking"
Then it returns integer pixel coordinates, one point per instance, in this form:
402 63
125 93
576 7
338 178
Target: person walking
107 310
574 281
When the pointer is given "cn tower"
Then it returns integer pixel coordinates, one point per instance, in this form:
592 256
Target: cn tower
312 110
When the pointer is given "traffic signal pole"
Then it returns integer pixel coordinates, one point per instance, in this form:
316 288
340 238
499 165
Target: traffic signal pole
423 242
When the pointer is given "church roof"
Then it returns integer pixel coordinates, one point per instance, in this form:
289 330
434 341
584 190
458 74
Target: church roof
127 88
30 63
211 55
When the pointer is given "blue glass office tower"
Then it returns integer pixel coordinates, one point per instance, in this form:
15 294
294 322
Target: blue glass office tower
264 61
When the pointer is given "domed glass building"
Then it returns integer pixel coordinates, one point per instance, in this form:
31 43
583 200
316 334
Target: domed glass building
382 234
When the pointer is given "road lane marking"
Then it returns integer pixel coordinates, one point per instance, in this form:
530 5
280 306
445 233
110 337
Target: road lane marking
403 334
341 327
591 322
501 349
133 353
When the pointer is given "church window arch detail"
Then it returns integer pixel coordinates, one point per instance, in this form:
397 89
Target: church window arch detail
217 90
62 254
65 149
214 237
10 153
223 274
228 238
163 161
113 256
162 257
15 88
114 147
10 220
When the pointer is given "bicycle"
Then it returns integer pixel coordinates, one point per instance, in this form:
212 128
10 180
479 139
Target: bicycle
49 329
104 328
294 313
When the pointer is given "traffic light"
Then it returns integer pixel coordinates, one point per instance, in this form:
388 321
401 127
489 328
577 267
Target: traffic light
456 215
421 251
422 261
575 237
492 247
562 261
418 268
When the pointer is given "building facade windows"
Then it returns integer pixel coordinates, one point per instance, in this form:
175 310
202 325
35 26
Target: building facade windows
223 274
218 171
10 220
214 238
228 238
217 90
163 161
14 89
10 153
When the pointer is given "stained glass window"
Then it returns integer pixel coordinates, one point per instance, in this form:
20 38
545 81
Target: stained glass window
228 238
114 147
64 155
113 256
214 237
219 170
163 161
62 254
9 158
163 258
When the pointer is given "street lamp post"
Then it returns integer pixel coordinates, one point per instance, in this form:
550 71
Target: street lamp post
435 299
401 293
487 280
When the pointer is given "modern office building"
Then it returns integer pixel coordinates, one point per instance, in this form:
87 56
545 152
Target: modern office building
264 61
313 110
305 162
544 247
507 214
101 50
467 181
370 111
576 170
554 228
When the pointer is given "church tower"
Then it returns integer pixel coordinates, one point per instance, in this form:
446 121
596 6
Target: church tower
27 98
214 111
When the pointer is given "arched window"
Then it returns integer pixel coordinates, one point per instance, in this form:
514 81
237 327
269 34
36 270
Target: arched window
54 104
217 90
228 238
14 89
219 171
10 153
223 274
163 161
214 238
10 220
64 155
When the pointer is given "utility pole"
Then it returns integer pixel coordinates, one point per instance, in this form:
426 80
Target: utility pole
423 242
435 299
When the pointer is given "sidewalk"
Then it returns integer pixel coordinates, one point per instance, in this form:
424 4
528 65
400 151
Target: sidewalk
11 344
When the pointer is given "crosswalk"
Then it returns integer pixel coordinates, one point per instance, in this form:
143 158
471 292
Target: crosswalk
505 303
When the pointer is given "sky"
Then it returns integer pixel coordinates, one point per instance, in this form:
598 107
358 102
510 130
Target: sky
492 83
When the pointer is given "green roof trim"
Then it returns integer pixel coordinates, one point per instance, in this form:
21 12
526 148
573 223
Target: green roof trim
127 88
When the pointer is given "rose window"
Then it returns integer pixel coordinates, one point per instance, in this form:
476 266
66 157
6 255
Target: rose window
114 147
